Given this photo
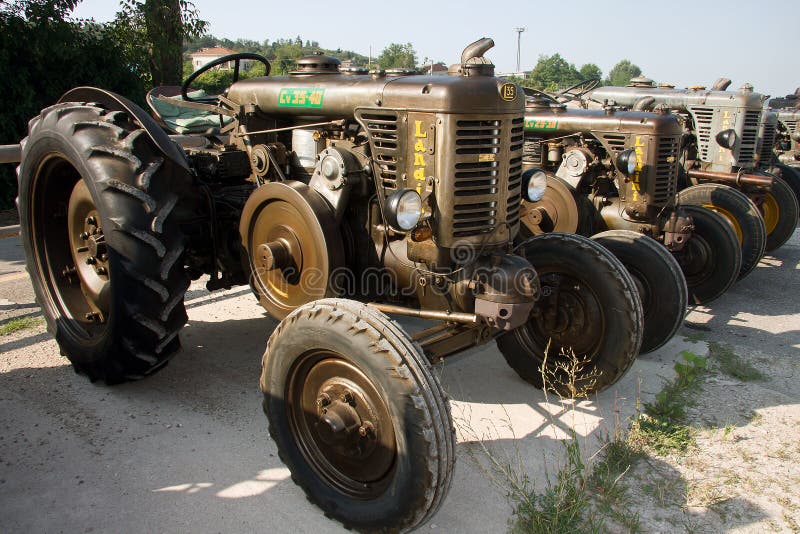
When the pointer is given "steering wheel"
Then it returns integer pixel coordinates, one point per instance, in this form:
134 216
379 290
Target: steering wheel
574 92
236 58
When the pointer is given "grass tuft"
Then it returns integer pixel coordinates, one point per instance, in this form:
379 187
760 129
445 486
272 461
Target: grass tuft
732 364
20 323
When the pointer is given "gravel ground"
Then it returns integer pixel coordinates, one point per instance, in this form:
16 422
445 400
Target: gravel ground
187 449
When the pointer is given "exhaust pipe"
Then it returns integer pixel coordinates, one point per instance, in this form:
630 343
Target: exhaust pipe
721 84
644 104
476 49
10 153
757 180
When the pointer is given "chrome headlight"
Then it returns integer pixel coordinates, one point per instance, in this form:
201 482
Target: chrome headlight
626 161
726 139
404 209
534 184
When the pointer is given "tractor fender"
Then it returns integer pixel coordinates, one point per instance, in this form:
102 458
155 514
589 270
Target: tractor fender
113 101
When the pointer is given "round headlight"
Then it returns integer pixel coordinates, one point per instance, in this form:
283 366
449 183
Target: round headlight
726 139
404 209
626 161
534 184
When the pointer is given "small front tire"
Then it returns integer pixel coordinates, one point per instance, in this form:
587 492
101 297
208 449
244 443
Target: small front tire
358 416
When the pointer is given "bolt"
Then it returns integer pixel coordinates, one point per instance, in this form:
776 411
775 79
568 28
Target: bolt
347 397
103 257
91 220
101 270
323 400
91 260
367 429
84 235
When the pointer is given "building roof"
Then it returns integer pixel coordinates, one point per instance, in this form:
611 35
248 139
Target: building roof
214 51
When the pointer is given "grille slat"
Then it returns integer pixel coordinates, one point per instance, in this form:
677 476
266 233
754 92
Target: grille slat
383 138
666 170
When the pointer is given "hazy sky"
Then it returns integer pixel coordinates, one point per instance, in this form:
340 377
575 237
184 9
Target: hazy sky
678 41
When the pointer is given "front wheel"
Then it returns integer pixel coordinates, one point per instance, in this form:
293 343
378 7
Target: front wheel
711 258
739 211
358 416
585 330
779 209
659 280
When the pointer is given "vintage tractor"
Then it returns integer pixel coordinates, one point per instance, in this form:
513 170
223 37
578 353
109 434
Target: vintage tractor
786 148
720 152
613 175
339 198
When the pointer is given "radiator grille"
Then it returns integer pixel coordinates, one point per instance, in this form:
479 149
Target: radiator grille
486 189
767 142
747 149
385 145
666 170
702 119
615 142
791 125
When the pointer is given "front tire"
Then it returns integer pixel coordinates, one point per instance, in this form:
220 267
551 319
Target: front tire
780 211
358 416
104 255
589 308
659 280
711 258
740 212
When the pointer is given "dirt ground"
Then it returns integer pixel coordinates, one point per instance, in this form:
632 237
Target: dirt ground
187 449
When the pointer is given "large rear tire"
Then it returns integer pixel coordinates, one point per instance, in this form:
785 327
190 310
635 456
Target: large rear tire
589 307
780 212
104 255
659 280
358 416
711 258
740 212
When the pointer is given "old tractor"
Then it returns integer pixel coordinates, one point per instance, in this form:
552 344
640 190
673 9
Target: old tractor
613 175
786 147
720 152
339 197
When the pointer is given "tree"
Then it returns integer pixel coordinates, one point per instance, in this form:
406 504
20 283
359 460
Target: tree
590 71
43 54
552 72
622 73
153 32
398 56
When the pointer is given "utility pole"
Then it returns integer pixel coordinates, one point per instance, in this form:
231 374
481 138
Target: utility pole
519 38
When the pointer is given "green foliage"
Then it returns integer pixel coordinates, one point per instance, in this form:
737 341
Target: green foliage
590 71
551 73
398 56
562 507
662 426
215 81
44 53
622 73
152 32
19 323
282 53
732 364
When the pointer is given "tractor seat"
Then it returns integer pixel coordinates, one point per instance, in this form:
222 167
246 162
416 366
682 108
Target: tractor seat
181 120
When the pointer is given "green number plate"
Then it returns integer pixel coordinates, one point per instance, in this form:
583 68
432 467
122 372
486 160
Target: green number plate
300 97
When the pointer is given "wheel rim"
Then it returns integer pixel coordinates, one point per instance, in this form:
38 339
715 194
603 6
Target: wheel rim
732 220
289 257
568 314
696 260
341 424
66 235
557 211
771 212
